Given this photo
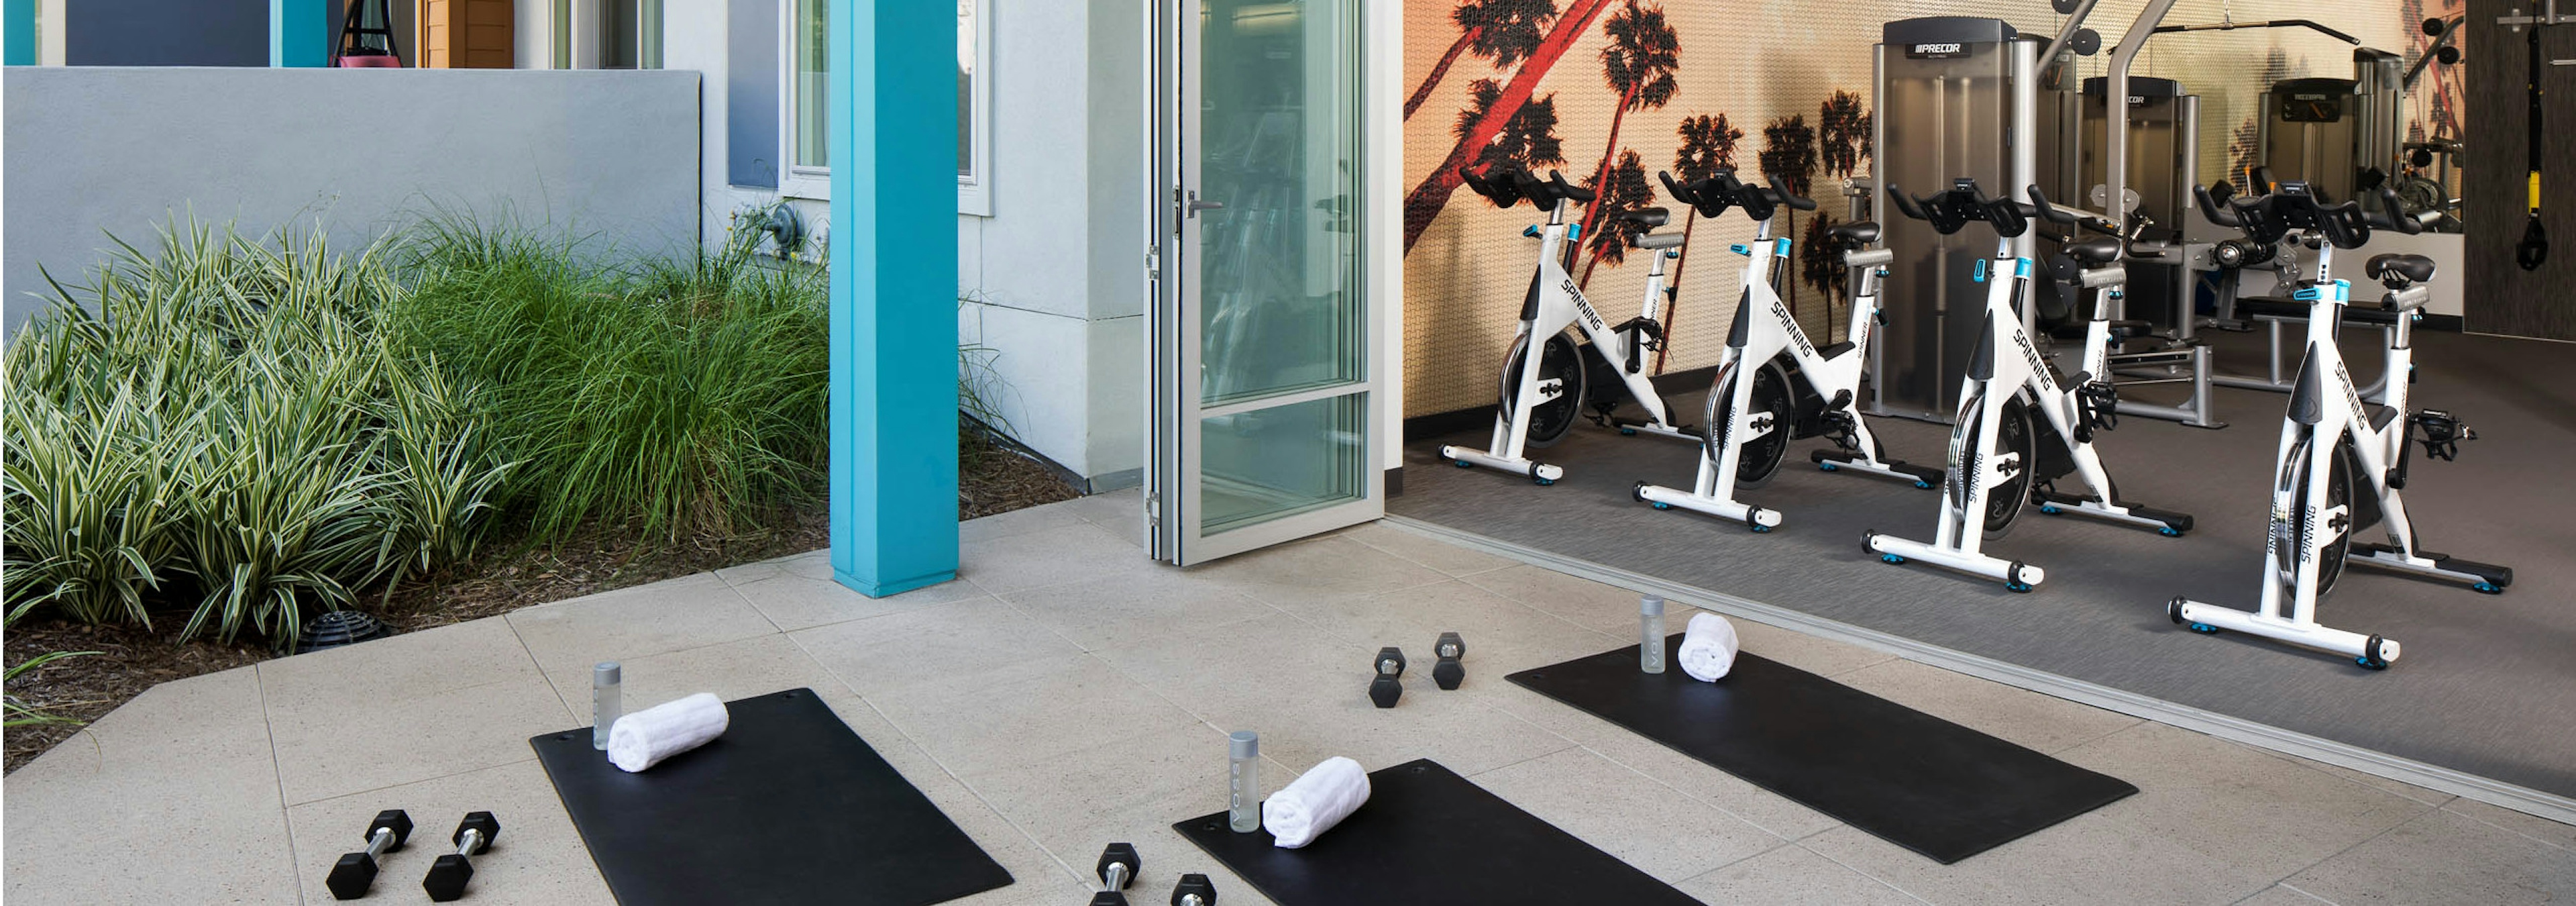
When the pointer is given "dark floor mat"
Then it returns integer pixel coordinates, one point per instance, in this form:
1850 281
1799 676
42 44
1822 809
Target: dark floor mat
1913 779
789 806
1428 837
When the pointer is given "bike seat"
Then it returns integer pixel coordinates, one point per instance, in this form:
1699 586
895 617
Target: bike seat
2415 268
1646 218
2099 250
1853 235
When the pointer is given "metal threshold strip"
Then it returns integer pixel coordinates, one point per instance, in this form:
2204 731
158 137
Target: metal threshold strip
2470 786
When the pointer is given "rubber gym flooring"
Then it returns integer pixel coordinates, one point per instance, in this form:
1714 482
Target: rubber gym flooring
2486 684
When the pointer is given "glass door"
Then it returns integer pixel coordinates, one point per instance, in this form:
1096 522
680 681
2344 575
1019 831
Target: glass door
1266 397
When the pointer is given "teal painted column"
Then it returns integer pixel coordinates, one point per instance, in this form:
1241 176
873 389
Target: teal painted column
18 18
300 32
893 150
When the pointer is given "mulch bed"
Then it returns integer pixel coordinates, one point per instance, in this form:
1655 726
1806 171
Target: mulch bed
509 573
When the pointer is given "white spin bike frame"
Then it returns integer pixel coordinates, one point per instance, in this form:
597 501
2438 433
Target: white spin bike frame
2010 365
1769 331
2310 439
1560 305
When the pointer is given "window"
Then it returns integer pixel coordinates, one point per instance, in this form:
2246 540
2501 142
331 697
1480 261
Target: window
807 125
804 129
974 103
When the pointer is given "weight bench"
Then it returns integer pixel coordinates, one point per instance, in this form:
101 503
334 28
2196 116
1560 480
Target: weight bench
2274 312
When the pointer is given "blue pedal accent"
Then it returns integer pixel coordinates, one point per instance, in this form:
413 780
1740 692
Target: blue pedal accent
1827 466
1463 464
2018 586
1662 505
2204 629
2488 587
1758 528
1630 432
1923 484
1547 481
2168 531
1891 558
2050 509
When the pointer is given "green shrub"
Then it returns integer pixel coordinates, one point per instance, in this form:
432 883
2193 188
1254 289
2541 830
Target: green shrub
674 394
231 425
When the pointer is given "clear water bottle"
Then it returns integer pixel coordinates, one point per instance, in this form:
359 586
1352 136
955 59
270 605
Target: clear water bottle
1650 634
604 704
1243 781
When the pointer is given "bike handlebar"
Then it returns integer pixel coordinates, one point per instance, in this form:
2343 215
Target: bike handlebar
1713 195
1961 204
1506 186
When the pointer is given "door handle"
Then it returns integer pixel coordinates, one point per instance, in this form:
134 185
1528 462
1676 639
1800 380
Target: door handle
1195 205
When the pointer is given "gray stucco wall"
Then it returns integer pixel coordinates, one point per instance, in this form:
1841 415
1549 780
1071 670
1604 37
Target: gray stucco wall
94 150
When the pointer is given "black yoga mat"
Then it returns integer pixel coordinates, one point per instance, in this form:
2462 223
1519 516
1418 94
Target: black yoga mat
788 806
1428 837
1913 779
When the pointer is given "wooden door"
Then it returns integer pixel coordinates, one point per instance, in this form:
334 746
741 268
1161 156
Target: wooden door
467 34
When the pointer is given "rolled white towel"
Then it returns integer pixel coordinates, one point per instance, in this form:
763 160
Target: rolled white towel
1708 647
643 739
1319 799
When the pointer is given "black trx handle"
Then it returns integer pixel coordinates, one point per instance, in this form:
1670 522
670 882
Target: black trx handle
2534 247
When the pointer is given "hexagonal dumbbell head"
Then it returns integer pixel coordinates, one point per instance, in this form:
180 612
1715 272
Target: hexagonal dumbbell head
1109 898
1194 890
1119 867
355 872
1388 686
1448 672
448 875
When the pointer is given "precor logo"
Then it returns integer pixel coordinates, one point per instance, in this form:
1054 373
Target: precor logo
1936 48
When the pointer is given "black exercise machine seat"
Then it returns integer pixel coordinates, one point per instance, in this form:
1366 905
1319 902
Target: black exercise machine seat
2098 250
1647 218
1852 235
2414 268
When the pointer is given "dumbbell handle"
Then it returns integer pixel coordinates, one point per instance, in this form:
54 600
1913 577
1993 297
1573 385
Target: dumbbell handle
378 842
1192 899
471 844
1117 879
1386 666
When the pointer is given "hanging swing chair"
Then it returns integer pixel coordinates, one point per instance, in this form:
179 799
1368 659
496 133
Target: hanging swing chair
367 37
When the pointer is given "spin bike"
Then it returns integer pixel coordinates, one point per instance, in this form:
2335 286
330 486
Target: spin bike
1543 394
1774 385
2000 456
2335 440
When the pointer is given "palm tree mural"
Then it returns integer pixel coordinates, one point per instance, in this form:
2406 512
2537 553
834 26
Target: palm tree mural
1431 196
1503 31
1821 267
1789 152
1626 189
1708 145
1527 140
1638 66
1842 133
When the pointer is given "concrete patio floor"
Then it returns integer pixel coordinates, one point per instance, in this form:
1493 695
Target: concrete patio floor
1066 692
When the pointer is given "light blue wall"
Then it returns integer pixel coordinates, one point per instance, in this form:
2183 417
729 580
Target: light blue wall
893 154
94 150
